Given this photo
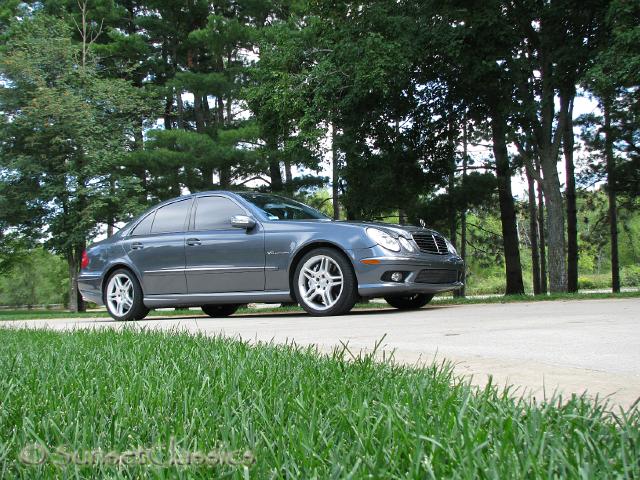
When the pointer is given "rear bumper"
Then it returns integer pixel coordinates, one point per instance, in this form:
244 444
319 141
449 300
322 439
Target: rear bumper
90 286
445 272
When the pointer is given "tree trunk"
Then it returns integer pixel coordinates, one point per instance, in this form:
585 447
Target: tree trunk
453 217
168 104
463 253
200 104
198 112
335 174
402 216
533 234
167 112
572 213
180 104
548 149
76 303
276 175
557 264
611 191
513 266
287 172
541 236
463 214
224 170
225 176
111 214
555 226
453 220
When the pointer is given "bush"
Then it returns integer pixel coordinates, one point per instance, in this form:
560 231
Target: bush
485 285
41 278
630 276
594 281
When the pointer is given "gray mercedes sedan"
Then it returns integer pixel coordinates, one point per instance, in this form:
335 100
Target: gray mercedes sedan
220 250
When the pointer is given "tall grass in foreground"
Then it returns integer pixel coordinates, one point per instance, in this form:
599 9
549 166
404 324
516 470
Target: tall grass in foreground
300 414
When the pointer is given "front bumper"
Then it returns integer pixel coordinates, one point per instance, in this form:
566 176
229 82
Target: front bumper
422 272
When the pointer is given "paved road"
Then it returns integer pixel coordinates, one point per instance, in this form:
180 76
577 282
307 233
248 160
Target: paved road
572 346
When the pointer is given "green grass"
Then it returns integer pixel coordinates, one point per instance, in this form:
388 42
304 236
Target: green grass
300 414
450 300
440 300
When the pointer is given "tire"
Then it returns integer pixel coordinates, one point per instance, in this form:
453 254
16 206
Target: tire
217 311
143 313
123 296
324 283
409 302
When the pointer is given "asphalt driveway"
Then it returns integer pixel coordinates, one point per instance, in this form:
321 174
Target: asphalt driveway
569 346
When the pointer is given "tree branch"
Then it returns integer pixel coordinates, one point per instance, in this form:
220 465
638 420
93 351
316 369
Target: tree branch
528 162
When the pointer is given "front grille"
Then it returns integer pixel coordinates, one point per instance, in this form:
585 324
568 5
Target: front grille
436 275
431 243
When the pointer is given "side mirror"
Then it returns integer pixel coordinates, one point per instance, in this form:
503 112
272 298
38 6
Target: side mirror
243 221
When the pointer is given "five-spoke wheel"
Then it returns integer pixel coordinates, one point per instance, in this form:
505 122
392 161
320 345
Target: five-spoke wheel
123 296
324 283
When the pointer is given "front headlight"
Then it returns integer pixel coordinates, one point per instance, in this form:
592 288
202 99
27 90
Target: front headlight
451 248
383 239
406 244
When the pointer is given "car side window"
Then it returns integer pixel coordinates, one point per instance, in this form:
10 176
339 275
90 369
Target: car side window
171 218
144 226
214 213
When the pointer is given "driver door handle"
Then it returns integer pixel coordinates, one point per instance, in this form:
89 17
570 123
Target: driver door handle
193 242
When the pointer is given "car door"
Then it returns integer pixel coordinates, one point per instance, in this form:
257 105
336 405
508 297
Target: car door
219 257
156 246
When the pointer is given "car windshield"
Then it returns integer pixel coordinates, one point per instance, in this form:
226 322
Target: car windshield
280 208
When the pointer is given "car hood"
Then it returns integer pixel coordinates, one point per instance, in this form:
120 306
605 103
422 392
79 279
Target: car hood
391 228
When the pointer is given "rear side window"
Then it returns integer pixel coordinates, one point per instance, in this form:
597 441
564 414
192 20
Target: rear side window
171 218
214 213
144 227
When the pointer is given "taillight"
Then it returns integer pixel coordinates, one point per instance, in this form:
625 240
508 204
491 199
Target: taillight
84 263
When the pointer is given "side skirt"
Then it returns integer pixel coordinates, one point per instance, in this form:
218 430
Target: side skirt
198 299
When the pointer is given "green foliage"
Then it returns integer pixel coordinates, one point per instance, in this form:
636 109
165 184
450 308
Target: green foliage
37 278
594 281
614 79
321 200
13 249
630 276
65 133
176 96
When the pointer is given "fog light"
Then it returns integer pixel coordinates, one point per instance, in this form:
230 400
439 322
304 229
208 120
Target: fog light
396 277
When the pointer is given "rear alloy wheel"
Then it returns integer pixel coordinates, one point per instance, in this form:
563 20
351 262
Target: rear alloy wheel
409 302
217 311
324 283
123 296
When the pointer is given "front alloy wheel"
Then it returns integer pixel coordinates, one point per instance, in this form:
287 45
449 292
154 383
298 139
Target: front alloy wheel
325 283
123 296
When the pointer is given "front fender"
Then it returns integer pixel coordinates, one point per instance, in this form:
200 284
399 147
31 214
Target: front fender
286 242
